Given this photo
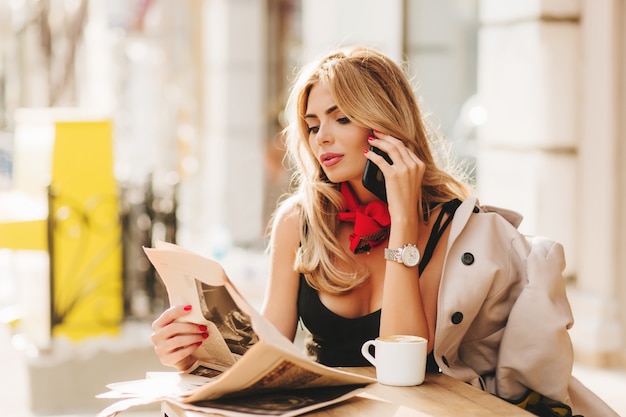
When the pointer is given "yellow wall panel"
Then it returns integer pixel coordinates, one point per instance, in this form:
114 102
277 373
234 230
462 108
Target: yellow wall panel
24 235
86 251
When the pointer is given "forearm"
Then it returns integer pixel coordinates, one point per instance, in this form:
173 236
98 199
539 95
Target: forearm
284 320
402 306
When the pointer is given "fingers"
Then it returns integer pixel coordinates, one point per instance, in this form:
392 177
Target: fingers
177 351
394 147
405 163
170 315
403 178
175 341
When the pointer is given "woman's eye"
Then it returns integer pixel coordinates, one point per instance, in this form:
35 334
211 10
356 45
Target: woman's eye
313 129
343 120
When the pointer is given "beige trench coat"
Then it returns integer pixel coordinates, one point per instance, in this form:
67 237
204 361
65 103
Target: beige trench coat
503 314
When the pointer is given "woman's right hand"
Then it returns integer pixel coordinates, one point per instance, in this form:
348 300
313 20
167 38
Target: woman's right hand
176 341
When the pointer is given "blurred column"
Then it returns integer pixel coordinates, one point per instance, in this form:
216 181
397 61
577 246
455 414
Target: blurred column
440 45
549 152
527 147
95 83
234 120
600 294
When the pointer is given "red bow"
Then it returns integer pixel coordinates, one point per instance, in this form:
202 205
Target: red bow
371 221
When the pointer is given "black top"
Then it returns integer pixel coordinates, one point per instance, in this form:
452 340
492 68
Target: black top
336 340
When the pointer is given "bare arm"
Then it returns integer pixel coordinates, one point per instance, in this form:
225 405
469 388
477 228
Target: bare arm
402 306
280 304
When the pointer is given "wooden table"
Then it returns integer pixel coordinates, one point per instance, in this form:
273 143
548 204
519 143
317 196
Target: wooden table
439 396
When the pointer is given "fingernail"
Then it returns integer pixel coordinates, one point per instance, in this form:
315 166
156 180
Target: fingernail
371 138
187 308
205 335
198 343
366 150
202 328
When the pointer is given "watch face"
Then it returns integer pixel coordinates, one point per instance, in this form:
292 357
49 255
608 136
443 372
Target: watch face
410 255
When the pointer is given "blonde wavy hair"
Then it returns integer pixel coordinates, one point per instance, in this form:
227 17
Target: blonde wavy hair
374 92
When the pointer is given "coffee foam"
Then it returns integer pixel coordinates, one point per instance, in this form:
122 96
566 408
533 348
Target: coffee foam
401 338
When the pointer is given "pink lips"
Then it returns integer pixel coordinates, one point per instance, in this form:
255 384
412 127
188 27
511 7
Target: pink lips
330 159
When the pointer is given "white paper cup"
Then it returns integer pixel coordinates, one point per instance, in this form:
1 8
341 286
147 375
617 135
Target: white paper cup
400 360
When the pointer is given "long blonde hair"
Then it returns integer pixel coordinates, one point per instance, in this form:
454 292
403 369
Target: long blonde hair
372 91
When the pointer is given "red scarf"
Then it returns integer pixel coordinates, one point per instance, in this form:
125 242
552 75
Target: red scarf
371 221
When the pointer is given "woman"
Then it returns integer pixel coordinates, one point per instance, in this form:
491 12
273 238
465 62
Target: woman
429 261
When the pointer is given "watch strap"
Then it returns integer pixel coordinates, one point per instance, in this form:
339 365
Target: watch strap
408 255
393 254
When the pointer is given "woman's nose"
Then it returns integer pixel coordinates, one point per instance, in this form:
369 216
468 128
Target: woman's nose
324 135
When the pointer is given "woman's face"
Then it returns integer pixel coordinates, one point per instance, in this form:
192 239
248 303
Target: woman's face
336 141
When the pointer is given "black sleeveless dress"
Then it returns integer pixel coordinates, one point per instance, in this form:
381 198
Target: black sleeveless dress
336 340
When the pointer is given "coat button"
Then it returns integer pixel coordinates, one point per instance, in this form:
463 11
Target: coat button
457 317
467 258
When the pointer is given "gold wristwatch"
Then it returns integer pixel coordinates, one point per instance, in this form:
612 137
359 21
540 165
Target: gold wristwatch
408 255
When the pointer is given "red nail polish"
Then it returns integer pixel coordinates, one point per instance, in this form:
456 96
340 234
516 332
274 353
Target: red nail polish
198 343
205 335
371 138
202 328
187 308
366 150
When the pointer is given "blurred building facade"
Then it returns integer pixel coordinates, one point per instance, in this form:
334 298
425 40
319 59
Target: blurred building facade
531 94
551 75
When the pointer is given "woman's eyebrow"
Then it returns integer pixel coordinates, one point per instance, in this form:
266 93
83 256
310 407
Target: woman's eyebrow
330 110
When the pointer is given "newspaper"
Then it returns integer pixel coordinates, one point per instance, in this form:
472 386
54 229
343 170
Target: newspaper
245 367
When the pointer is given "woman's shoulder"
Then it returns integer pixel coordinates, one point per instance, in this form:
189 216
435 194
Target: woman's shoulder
288 211
287 220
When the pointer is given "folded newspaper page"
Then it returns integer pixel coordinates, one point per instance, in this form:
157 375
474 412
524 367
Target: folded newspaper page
245 367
